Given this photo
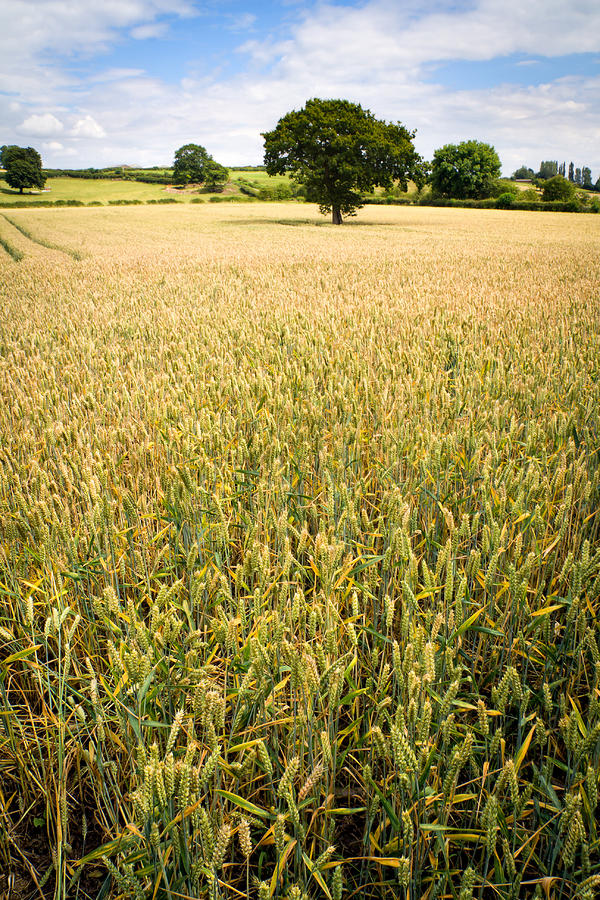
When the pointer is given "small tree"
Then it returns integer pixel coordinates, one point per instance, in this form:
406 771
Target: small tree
464 171
190 164
193 165
558 188
23 167
523 172
586 176
338 151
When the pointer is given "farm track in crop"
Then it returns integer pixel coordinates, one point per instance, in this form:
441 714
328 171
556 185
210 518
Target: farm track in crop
43 242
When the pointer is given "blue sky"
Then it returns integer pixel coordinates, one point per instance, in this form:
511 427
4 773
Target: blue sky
129 81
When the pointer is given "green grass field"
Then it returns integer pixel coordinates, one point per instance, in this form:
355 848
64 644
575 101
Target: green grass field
94 190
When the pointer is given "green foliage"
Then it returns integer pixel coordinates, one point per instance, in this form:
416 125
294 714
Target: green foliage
215 175
558 188
193 165
11 153
465 171
44 204
548 169
339 151
23 167
523 172
505 201
277 192
190 164
503 186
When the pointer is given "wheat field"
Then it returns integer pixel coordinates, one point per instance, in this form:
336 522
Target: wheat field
300 561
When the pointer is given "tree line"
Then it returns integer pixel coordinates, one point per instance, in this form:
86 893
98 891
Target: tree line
338 152
550 168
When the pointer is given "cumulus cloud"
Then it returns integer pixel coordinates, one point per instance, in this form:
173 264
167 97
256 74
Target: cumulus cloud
88 128
386 55
53 145
43 125
34 31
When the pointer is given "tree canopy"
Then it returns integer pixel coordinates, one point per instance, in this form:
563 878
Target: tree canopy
548 169
23 167
523 172
339 150
464 171
193 165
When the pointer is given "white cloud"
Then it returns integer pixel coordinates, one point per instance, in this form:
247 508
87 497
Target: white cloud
242 22
381 53
152 30
34 31
43 125
88 128
116 75
53 145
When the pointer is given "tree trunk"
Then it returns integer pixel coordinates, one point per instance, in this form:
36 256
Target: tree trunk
20 190
336 216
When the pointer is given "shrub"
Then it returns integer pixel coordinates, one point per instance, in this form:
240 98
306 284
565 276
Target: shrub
276 192
502 186
558 188
505 201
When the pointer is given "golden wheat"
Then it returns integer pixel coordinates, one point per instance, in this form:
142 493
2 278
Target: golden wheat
300 569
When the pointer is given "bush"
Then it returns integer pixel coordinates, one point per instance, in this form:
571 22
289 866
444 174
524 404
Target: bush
505 201
125 202
389 201
245 188
558 188
500 186
230 199
164 200
39 204
153 179
276 192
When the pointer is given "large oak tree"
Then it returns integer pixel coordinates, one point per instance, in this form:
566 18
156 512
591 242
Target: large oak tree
339 151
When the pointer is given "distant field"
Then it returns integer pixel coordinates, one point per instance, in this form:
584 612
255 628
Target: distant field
260 178
299 554
105 190
86 190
